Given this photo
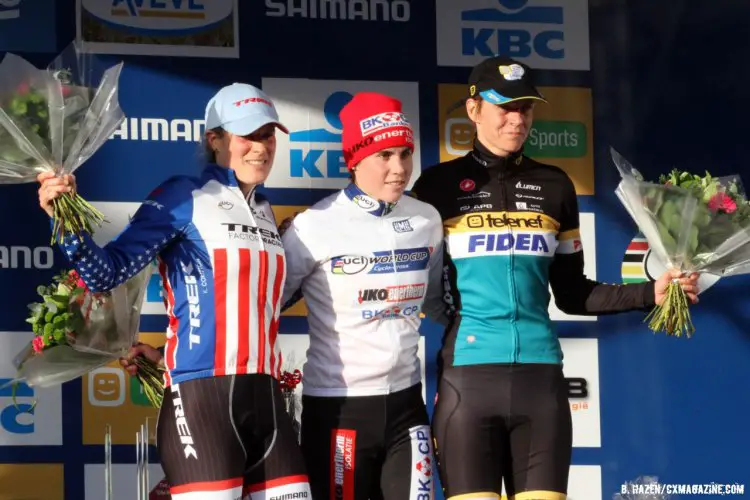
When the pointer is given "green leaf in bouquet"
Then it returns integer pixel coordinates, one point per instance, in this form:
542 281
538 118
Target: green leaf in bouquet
52 308
76 292
61 300
675 225
58 335
702 216
693 240
41 290
669 242
18 106
666 211
63 290
48 329
49 316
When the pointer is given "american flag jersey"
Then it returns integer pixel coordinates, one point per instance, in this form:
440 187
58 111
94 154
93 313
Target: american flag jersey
222 266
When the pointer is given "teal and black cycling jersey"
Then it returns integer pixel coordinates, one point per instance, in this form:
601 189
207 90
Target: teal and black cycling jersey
511 228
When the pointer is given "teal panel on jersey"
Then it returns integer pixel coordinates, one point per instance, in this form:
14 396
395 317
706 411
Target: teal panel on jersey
504 304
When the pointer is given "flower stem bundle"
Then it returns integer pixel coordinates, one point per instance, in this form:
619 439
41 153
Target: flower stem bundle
150 375
74 215
673 316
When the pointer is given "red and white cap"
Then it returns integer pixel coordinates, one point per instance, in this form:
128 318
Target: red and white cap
372 122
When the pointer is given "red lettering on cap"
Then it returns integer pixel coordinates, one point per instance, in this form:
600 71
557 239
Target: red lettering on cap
251 99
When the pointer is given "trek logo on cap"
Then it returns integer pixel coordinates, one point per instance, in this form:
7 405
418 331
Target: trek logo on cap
252 99
512 72
382 121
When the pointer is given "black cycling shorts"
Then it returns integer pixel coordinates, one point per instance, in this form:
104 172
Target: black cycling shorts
510 423
368 447
225 438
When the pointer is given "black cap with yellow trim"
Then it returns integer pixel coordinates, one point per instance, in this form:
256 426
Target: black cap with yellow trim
500 80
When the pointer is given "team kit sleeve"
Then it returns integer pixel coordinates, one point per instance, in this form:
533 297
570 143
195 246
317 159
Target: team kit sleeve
300 262
576 294
157 222
434 306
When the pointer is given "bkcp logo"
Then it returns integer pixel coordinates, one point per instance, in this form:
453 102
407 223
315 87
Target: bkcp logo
561 133
310 108
112 396
545 34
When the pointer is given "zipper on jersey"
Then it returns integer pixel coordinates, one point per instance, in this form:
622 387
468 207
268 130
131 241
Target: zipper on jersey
395 341
501 178
252 217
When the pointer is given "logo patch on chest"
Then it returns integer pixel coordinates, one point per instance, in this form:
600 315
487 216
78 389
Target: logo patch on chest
402 226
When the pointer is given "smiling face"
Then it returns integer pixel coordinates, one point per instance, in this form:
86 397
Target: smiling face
385 174
250 156
459 133
107 387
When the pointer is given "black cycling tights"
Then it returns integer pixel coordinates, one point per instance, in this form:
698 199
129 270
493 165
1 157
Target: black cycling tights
510 423
229 438
368 447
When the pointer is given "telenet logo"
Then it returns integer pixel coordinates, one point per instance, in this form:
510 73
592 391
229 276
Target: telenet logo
111 396
560 135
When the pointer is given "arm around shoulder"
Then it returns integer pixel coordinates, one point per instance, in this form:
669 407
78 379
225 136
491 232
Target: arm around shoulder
434 306
300 259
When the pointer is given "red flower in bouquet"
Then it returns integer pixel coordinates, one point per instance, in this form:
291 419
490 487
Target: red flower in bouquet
38 344
722 201
290 380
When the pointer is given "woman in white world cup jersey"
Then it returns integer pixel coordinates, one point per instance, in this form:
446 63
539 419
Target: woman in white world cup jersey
366 259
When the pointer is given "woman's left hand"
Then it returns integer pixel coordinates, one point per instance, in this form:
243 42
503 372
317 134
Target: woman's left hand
689 285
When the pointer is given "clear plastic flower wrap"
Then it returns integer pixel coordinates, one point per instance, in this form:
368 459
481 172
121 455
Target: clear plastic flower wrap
54 120
77 330
643 488
693 223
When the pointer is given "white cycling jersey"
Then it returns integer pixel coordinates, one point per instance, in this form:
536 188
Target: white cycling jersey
366 270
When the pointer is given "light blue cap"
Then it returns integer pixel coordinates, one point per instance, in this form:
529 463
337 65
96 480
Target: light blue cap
241 109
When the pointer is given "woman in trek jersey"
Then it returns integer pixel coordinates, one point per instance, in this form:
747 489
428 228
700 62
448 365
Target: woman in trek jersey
223 432
365 258
511 232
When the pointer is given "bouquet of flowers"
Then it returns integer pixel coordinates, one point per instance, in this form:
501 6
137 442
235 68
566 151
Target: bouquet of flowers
55 119
693 223
77 330
289 381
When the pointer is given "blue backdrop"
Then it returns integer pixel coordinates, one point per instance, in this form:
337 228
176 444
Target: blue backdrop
668 83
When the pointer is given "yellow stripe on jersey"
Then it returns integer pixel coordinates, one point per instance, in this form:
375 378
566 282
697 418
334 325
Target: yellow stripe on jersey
539 495
493 221
572 234
488 495
569 242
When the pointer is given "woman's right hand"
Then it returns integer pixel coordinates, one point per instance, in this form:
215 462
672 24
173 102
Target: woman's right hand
53 187
145 350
